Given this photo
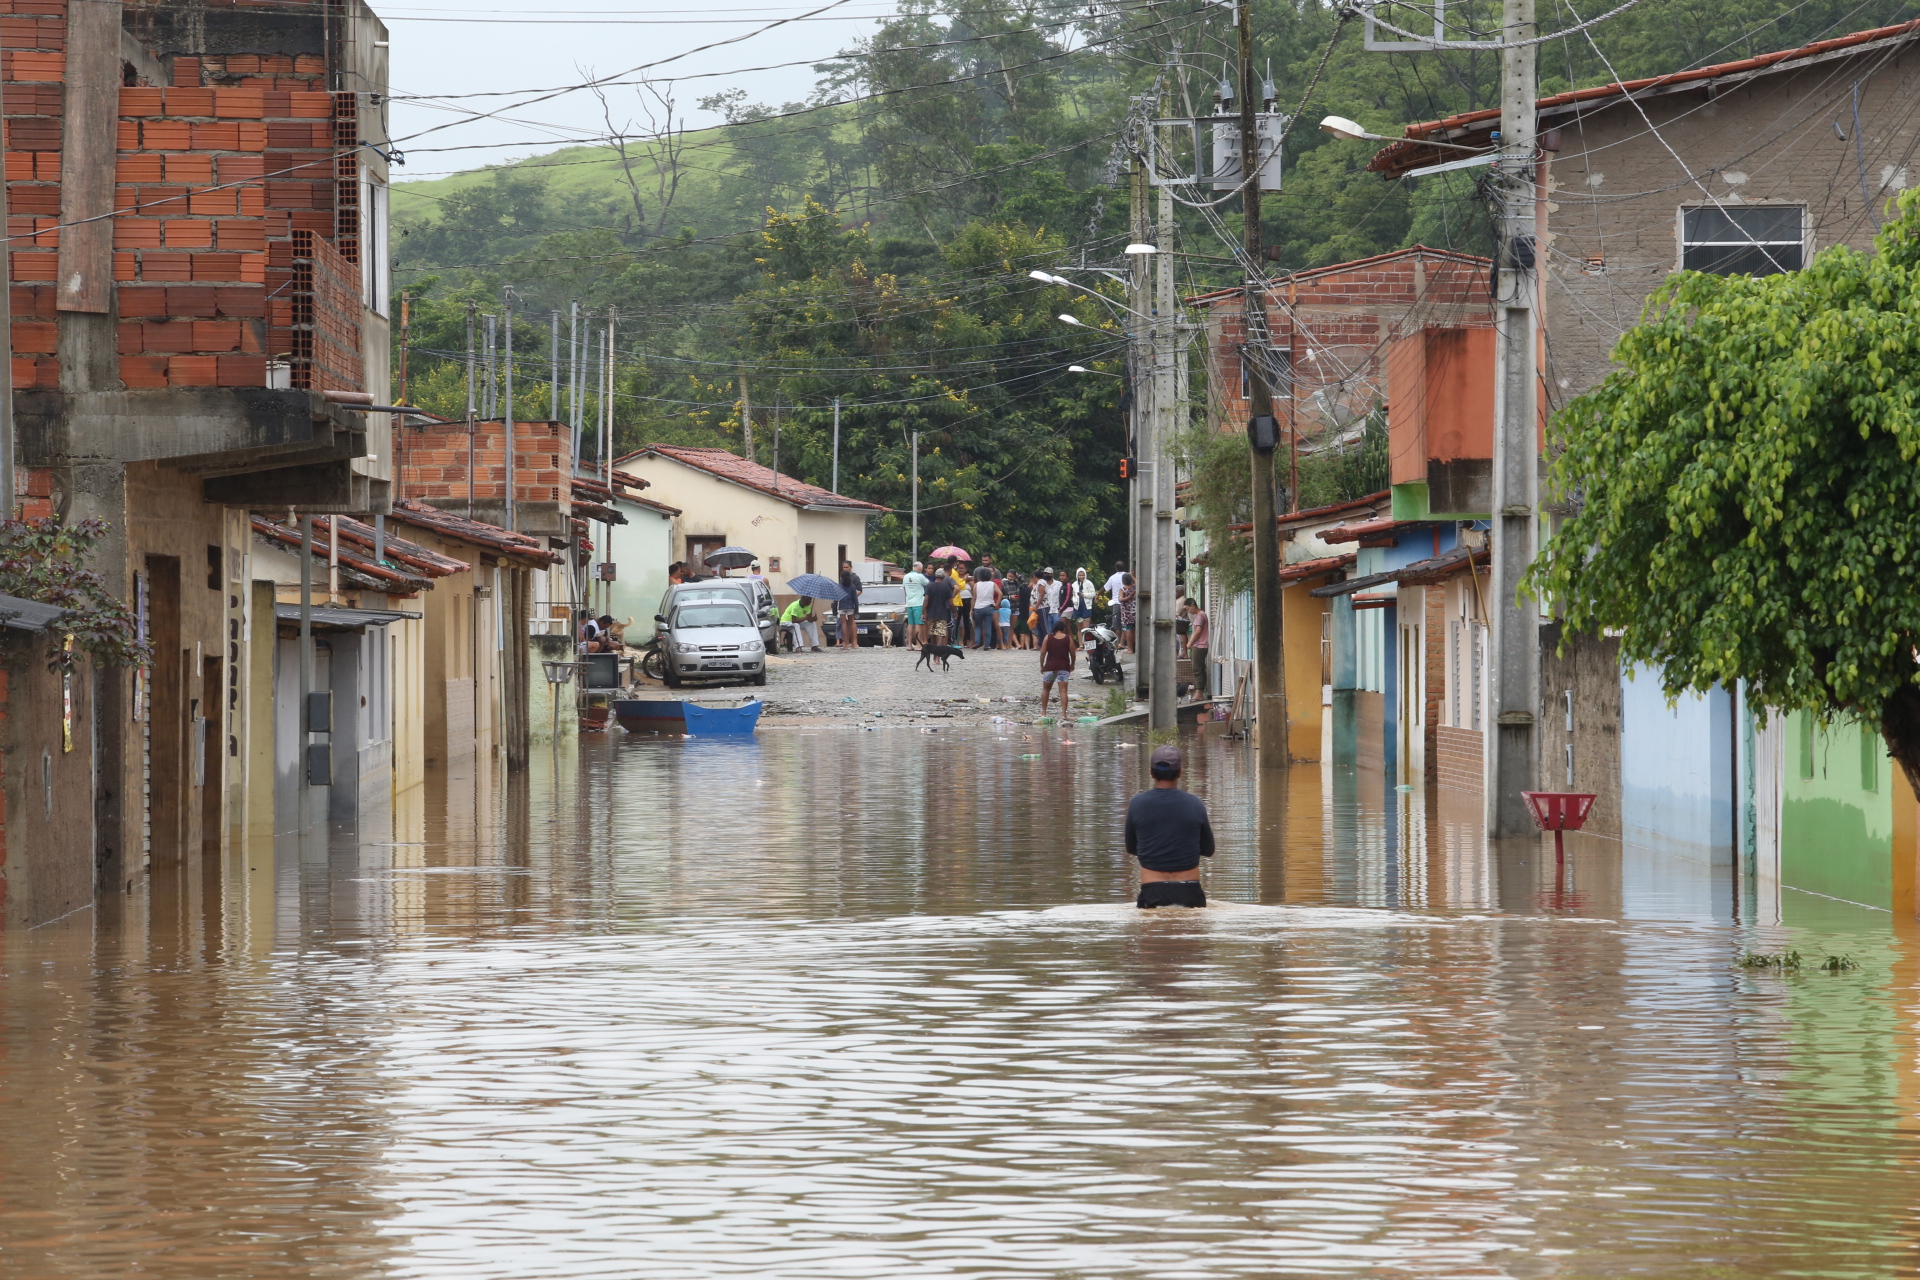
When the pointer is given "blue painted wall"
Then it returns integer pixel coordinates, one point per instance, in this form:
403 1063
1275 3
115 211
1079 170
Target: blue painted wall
1676 770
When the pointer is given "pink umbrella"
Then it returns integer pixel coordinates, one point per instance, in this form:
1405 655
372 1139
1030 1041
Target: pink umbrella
951 553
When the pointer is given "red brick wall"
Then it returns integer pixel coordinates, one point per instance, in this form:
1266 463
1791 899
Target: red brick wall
1350 317
213 172
35 494
433 463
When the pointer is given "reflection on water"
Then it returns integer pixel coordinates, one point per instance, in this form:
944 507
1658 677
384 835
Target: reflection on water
867 1003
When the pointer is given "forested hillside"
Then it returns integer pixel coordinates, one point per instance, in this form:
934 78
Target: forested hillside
872 243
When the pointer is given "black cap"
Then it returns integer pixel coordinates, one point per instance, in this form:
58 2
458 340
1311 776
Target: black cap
1166 762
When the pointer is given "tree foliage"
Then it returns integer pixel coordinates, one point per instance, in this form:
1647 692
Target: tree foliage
1017 456
45 561
1747 488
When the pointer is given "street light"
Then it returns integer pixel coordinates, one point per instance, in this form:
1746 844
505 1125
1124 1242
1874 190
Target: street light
1142 248
1075 320
1080 368
1044 278
1352 131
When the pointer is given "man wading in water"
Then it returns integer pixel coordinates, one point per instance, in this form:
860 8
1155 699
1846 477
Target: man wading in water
1167 829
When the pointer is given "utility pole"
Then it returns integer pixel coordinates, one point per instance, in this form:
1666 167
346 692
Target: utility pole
836 445
470 406
746 416
1163 705
916 499
1512 751
506 416
575 357
489 388
1140 423
1269 636
606 439
553 364
406 328
399 420
606 457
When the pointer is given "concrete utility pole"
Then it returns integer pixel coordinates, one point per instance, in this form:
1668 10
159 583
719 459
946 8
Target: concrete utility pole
836 446
916 499
1269 638
1140 421
1511 749
470 410
490 385
506 415
576 357
746 417
1163 706
553 365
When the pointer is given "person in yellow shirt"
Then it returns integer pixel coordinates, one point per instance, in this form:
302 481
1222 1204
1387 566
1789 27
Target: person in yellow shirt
962 603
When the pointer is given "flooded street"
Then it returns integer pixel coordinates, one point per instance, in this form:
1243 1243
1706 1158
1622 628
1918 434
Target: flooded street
868 1002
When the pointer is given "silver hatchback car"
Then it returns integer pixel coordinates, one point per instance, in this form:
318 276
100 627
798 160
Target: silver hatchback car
711 637
752 592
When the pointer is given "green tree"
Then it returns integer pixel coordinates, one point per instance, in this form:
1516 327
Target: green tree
45 561
1747 488
1017 456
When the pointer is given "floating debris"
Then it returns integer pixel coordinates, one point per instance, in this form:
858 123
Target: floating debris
1789 961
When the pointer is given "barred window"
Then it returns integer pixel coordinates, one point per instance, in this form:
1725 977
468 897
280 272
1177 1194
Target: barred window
1744 240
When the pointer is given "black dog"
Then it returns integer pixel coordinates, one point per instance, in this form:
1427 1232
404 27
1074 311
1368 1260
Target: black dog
940 651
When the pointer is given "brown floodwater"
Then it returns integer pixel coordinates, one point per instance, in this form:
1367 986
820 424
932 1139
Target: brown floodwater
869 1003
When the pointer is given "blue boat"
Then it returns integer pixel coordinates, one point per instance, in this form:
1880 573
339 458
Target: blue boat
722 719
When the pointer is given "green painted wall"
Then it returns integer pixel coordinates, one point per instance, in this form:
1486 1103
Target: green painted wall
1836 819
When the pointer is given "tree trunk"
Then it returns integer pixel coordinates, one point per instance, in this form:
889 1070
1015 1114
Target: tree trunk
1900 725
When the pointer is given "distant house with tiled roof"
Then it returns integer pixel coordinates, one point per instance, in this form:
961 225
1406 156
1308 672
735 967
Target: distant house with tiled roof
725 500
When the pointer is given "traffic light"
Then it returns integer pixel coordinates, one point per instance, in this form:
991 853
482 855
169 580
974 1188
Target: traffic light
1129 468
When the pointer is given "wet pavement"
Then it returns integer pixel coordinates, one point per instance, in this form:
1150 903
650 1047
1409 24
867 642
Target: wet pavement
834 1002
872 684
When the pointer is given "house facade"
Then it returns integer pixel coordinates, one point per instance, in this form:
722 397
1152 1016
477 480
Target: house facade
724 500
198 303
1747 167
1366 662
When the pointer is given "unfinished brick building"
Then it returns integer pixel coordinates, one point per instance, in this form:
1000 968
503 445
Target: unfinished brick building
197 195
1333 326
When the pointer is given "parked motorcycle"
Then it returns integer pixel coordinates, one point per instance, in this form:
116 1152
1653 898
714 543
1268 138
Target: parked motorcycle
1102 648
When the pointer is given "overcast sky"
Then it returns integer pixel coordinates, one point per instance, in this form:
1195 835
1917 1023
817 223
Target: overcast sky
451 51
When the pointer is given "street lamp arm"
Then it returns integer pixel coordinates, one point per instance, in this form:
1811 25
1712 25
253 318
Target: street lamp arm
1341 127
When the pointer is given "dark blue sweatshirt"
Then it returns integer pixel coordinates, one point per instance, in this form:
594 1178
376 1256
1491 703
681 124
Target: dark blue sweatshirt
1167 829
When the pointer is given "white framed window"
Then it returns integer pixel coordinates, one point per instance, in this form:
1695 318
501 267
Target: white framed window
376 258
1743 239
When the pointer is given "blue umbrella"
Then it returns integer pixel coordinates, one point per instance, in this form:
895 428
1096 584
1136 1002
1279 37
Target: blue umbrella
815 586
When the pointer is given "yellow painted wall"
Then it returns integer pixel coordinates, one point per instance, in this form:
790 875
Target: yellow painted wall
764 525
1302 619
259 745
406 651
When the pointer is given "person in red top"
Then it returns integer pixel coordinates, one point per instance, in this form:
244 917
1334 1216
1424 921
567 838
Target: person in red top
1057 656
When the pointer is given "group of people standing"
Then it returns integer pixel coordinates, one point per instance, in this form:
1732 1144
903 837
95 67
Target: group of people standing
983 608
